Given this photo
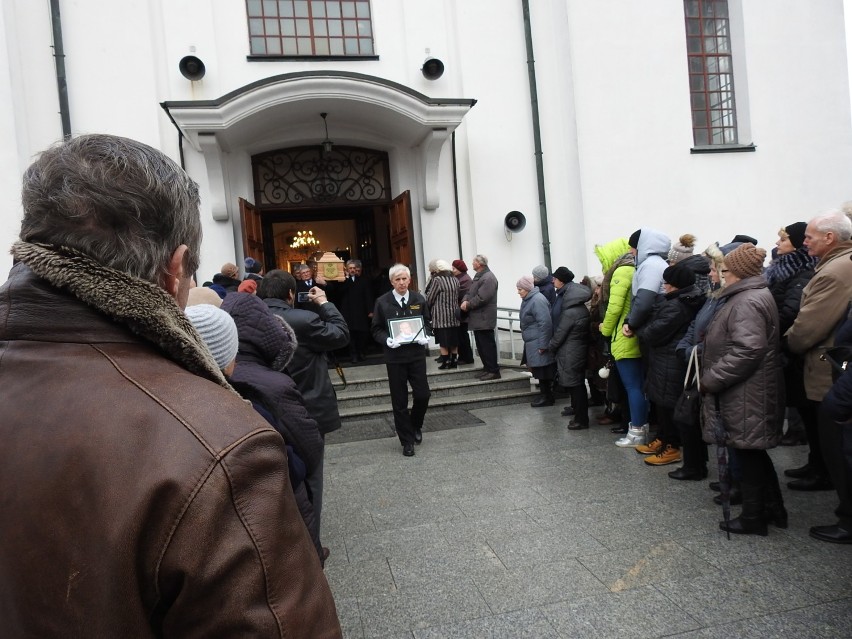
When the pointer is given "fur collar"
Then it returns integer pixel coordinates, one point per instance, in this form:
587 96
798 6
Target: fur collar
143 307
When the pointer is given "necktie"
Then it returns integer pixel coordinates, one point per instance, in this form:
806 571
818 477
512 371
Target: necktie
403 303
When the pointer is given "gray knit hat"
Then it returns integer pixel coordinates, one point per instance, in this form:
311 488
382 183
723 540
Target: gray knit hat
218 331
540 272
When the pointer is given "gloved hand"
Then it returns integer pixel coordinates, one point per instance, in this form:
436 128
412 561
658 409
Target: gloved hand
423 340
392 343
607 349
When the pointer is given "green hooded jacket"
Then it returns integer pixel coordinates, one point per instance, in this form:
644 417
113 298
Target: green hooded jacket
616 295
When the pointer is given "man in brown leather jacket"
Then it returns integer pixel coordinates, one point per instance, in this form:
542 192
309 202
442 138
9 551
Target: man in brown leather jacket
141 497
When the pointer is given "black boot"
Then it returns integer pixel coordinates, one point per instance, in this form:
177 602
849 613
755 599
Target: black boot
752 519
442 358
775 512
545 388
445 363
454 361
735 497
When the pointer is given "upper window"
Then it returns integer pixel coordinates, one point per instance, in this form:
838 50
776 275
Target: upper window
310 27
711 74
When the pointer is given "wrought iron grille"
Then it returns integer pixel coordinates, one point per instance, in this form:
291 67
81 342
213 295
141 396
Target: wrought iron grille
307 176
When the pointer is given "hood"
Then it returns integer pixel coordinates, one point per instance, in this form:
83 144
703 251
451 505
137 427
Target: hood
575 294
263 336
652 242
608 253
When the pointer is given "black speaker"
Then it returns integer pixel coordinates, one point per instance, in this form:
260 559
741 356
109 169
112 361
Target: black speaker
191 68
515 221
432 69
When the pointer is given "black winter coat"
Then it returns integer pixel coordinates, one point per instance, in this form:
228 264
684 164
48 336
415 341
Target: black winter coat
266 348
670 318
316 333
570 341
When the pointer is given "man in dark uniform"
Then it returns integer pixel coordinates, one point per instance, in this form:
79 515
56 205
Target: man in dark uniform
305 281
356 306
405 362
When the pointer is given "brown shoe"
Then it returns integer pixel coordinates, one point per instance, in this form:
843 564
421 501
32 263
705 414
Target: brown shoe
605 419
489 376
651 448
668 455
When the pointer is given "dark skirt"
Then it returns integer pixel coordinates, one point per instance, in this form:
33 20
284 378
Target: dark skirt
544 372
447 337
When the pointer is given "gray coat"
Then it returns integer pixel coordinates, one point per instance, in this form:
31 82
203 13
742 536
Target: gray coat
570 339
741 366
536 329
482 297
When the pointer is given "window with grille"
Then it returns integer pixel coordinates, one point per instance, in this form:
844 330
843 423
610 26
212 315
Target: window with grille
310 28
711 74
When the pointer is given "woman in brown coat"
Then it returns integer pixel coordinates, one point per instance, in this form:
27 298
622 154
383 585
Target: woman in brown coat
741 373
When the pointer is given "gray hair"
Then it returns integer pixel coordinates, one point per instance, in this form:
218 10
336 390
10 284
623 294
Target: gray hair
355 263
396 269
481 259
834 221
122 203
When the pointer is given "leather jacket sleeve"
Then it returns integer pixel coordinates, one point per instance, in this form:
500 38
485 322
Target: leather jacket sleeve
239 562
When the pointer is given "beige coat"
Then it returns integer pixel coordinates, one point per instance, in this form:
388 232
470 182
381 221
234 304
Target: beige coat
824 303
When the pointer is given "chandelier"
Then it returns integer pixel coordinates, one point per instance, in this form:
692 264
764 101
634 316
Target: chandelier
305 242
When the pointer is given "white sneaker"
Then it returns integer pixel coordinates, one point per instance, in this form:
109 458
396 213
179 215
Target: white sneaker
636 436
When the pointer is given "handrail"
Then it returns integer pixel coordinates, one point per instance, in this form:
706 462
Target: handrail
509 316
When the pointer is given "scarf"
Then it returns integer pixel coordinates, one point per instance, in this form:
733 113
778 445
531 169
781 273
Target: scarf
786 266
143 307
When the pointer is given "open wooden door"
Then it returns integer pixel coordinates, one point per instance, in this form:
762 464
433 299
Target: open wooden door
399 219
250 222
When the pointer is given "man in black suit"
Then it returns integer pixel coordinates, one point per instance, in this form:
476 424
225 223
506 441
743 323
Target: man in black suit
305 281
405 362
356 306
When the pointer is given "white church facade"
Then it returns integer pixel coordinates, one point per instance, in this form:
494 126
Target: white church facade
409 129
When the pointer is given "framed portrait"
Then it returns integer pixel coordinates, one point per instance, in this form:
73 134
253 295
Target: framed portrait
406 329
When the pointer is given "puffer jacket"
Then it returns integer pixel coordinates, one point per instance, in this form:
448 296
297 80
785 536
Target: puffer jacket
317 333
670 319
616 296
442 294
787 277
536 329
742 367
141 496
266 347
482 298
570 339
647 283
824 303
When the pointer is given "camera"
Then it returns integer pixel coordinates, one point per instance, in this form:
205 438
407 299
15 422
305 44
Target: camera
302 297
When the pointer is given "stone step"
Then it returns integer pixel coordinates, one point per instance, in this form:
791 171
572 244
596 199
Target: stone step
367 392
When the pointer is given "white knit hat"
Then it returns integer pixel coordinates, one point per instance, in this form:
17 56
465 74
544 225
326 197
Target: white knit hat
218 331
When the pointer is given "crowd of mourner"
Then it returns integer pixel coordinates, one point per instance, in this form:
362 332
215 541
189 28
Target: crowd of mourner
691 357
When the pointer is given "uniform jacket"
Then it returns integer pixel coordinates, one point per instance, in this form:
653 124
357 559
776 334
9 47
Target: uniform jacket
742 366
570 339
669 321
824 303
316 333
482 297
387 308
536 329
616 296
141 496
266 347
442 294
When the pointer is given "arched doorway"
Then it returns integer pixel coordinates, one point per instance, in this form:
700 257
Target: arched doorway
340 195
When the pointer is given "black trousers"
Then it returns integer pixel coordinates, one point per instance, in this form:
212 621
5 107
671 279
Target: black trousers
580 403
358 343
486 345
836 442
399 377
759 478
465 350
809 412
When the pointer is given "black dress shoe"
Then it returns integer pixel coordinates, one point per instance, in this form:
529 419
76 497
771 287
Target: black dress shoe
832 534
408 450
714 485
735 498
540 401
798 473
618 430
572 425
418 436
567 411
465 361
489 376
811 484
689 474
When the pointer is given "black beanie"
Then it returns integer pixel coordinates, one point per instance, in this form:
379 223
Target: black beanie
563 274
679 275
633 240
796 233
745 239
